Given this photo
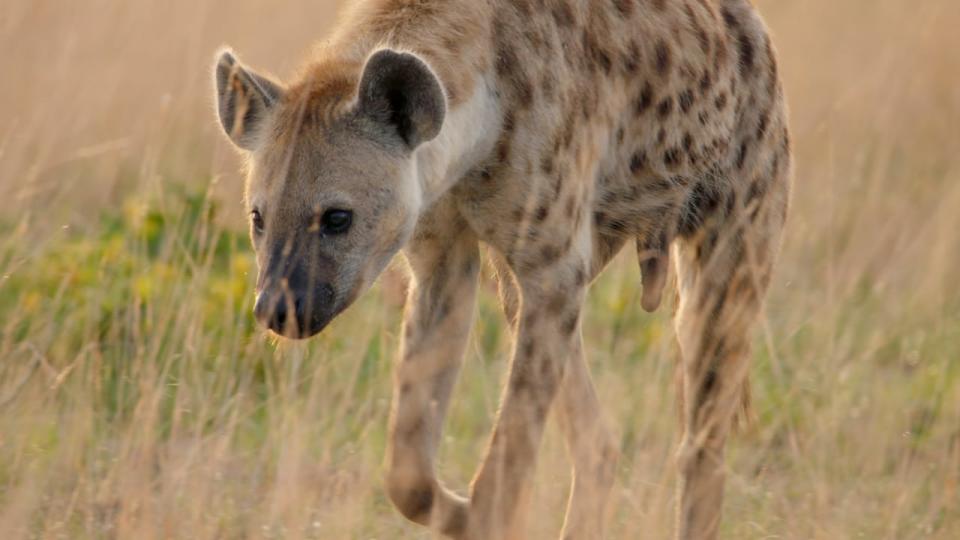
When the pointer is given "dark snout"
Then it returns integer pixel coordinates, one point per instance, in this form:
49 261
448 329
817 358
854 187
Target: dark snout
295 313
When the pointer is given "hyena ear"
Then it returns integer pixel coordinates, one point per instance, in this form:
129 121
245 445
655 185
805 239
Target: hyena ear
400 91
244 100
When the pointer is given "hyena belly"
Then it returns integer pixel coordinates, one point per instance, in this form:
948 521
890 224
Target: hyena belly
699 123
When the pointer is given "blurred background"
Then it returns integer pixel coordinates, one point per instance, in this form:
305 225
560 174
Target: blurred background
138 400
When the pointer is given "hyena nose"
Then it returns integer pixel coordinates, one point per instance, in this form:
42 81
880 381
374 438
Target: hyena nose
295 314
276 312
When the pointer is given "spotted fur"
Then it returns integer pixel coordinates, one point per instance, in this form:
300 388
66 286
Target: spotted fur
556 132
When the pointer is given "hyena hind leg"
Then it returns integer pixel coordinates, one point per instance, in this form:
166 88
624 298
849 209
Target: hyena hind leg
593 450
723 272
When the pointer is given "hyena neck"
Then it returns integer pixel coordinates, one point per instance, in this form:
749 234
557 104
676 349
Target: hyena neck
469 133
453 38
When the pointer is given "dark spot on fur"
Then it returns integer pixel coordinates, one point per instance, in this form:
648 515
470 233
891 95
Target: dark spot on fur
631 58
686 100
702 202
665 108
672 157
706 82
557 302
742 155
503 150
547 163
569 324
524 94
662 57
729 19
599 218
625 7
645 99
638 161
470 266
762 125
443 309
566 136
557 184
550 254
529 348
617 225
524 7
506 63
706 389
731 202
541 214
746 55
721 101
531 318
597 55
563 14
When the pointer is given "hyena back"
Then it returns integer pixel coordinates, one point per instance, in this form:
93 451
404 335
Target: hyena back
553 131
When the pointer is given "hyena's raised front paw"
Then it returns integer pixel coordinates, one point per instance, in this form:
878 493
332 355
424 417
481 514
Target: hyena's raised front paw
430 504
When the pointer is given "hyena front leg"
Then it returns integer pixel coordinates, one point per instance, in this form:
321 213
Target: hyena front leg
589 439
437 322
548 320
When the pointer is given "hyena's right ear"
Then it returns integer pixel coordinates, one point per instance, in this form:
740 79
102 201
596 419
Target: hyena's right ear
244 100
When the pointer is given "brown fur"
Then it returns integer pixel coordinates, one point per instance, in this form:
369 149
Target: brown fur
571 127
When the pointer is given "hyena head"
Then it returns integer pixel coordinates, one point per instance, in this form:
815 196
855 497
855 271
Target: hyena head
332 190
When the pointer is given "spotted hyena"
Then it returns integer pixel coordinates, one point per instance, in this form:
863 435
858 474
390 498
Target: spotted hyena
553 132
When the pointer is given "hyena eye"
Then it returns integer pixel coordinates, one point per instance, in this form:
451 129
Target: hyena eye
257 220
336 221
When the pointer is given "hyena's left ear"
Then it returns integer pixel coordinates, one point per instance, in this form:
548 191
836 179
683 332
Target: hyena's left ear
400 92
244 100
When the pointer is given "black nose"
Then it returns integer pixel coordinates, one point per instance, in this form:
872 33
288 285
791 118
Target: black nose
294 315
281 313
278 322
